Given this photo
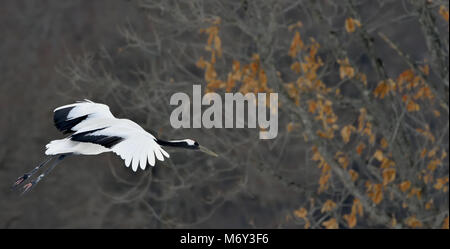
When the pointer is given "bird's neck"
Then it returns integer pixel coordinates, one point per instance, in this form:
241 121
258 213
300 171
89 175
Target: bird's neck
175 143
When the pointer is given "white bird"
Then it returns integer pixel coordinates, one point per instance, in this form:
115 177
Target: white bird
94 130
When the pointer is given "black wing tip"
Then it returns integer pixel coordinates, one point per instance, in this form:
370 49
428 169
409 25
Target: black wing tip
61 114
62 123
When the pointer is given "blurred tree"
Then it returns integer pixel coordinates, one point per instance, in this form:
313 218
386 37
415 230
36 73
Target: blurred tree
363 95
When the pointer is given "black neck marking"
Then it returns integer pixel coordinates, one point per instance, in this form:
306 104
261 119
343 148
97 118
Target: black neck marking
179 144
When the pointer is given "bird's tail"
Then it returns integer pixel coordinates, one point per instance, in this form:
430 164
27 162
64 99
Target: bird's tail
60 146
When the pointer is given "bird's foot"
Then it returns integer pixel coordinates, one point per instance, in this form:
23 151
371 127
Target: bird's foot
20 180
27 187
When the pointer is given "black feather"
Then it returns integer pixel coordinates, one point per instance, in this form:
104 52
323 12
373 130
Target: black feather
105 141
62 123
179 144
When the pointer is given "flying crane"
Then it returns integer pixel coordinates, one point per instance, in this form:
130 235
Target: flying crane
93 130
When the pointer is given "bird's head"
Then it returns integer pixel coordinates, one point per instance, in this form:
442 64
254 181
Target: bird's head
191 144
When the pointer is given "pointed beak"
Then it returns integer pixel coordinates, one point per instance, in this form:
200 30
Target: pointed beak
207 151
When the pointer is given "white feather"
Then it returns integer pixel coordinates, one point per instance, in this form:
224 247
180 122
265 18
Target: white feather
144 156
151 157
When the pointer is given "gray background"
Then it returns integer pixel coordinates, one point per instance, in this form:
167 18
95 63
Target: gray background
41 41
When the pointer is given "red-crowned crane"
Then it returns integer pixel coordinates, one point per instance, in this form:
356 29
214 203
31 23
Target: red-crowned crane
94 130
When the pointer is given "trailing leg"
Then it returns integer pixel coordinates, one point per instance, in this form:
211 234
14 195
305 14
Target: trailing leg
22 179
27 187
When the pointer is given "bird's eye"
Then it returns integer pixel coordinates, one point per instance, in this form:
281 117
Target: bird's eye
196 144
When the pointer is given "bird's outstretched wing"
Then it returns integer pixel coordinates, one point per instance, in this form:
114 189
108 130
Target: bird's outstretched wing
139 148
134 145
67 117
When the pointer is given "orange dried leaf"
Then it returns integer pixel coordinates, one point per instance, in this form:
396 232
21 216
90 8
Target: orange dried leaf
307 224
351 220
413 222
343 161
436 113
445 223
428 178
201 63
361 119
379 155
301 213
388 175
374 191
443 11
351 24
415 191
328 206
312 106
432 152
296 45
427 134
330 224
346 132
384 143
393 222
405 186
316 155
440 182
296 67
357 207
383 89
323 182
412 106
360 148
363 78
404 205
423 153
353 174
295 25
432 165
236 66
345 69
326 135
218 45
293 92
386 163
429 204
424 93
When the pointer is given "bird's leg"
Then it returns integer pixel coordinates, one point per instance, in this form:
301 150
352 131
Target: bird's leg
27 187
21 179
